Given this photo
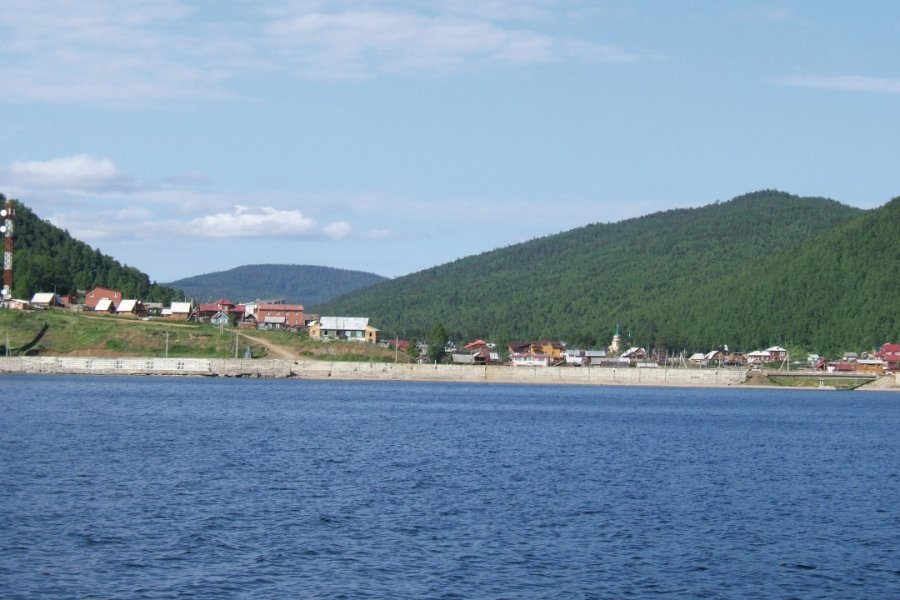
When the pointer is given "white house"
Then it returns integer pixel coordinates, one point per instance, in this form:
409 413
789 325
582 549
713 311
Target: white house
355 329
178 310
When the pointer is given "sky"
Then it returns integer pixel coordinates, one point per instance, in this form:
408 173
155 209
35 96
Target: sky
185 137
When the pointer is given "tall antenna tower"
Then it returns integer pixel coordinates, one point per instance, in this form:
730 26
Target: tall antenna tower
7 230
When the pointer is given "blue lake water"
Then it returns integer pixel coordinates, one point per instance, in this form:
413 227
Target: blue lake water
215 488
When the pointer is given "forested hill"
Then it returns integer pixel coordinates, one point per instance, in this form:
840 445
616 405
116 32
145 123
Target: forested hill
295 283
839 291
46 258
761 269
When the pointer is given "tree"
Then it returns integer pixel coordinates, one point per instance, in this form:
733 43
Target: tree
437 341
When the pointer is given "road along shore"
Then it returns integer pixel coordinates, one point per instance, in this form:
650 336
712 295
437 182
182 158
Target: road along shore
300 369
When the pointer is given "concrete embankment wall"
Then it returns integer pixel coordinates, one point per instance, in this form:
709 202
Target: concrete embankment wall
273 368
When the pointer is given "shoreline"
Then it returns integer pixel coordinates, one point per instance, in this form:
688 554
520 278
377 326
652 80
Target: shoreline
369 371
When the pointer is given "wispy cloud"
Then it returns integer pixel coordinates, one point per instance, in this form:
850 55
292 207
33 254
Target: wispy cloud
763 14
100 51
77 173
148 51
361 44
843 83
97 221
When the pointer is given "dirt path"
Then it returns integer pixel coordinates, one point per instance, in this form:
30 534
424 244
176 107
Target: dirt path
277 350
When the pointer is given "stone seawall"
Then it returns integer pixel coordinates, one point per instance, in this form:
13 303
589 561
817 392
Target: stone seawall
273 368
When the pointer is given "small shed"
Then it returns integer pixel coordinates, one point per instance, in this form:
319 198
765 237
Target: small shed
105 305
44 300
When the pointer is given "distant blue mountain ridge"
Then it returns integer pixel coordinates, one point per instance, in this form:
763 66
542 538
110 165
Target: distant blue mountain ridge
301 284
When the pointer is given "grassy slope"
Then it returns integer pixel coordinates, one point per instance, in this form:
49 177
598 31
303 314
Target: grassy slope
73 334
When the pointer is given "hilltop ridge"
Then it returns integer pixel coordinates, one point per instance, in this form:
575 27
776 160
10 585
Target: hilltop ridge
297 283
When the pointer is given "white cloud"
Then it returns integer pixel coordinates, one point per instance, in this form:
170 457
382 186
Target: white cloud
843 83
249 223
337 230
79 172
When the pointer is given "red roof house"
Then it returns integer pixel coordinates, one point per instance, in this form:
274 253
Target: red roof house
277 316
890 354
92 297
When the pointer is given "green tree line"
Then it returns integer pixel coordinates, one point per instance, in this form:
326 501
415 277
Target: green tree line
47 259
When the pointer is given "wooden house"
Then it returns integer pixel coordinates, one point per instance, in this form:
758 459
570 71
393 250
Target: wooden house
130 307
356 329
890 354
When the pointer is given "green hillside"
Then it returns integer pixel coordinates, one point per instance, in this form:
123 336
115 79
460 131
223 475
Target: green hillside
46 258
295 283
839 291
728 273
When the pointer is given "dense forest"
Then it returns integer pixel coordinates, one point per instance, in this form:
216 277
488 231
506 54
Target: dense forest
764 268
46 258
295 283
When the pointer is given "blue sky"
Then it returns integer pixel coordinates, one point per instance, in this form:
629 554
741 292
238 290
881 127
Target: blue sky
190 136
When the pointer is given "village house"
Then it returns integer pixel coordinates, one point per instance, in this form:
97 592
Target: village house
343 328
67 300
758 357
220 319
92 297
697 359
536 354
105 305
206 311
777 353
869 365
478 352
178 311
594 357
15 304
574 357
635 353
44 300
280 316
890 354
130 307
